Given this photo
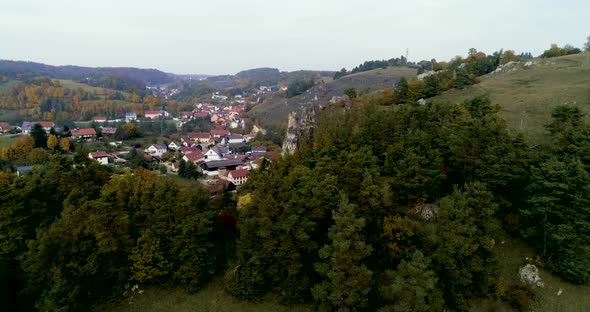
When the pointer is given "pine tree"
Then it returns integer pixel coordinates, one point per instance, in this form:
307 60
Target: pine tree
346 280
39 136
465 259
182 168
412 287
556 217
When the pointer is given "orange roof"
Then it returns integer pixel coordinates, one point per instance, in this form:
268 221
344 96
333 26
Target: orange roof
83 132
99 154
239 173
220 132
194 156
46 124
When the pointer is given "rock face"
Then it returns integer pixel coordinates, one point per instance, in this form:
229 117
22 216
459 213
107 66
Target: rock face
425 211
529 274
290 142
300 128
301 125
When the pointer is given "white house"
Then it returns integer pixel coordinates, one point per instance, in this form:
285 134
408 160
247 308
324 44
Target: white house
234 138
85 133
130 117
101 156
152 114
174 146
237 177
217 152
27 126
157 149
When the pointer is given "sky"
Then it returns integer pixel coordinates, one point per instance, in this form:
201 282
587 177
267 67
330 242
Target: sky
227 36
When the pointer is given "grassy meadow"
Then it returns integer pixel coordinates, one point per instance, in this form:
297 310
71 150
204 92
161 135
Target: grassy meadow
528 94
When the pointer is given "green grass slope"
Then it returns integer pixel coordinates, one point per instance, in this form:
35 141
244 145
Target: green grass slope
70 84
527 93
211 298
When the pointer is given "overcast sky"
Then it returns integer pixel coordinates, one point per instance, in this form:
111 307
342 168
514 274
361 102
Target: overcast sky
226 36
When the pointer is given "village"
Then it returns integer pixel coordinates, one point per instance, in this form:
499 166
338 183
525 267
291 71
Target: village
221 157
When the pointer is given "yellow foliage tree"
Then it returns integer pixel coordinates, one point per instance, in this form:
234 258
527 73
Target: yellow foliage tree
21 147
52 142
244 200
508 56
147 260
64 144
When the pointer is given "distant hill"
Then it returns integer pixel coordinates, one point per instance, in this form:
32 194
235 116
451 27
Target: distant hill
529 90
133 76
260 76
274 110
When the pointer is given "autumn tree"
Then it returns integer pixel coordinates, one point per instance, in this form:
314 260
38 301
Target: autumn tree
507 57
147 260
19 149
64 144
52 142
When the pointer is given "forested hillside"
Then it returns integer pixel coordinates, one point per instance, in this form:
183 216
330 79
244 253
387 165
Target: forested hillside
397 208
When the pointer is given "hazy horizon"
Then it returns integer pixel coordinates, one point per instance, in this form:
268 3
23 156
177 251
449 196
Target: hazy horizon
195 37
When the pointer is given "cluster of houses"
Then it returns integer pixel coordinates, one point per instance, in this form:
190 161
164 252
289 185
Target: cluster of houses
222 156
213 153
228 116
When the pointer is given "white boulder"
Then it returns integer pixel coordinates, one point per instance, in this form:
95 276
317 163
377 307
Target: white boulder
529 274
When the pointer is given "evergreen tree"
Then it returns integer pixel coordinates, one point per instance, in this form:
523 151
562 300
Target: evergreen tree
346 280
556 217
464 257
412 287
401 91
182 168
39 136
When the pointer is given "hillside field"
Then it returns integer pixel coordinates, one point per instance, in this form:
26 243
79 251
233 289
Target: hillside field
528 94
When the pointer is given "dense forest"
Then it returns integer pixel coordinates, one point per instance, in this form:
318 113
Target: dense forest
390 208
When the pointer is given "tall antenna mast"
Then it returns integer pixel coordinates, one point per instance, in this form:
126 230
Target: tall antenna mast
407 54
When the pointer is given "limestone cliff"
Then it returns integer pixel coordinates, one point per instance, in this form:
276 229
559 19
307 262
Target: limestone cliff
301 124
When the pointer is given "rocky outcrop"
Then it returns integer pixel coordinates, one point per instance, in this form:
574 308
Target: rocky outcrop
529 274
290 142
425 211
300 128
